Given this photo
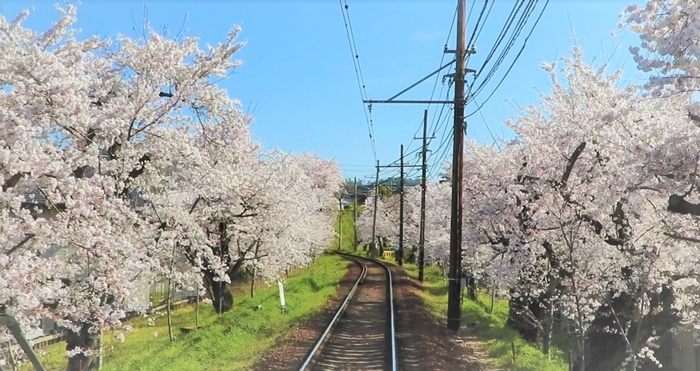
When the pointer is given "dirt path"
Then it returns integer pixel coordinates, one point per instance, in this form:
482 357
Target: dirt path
424 343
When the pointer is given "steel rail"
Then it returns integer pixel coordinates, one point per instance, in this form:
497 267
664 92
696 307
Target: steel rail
343 307
335 319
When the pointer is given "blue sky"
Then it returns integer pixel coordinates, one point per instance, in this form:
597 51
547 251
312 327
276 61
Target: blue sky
298 74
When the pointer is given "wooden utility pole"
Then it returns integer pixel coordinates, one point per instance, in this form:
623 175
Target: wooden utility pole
459 101
399 255
373 245
354 215
454 310
424 167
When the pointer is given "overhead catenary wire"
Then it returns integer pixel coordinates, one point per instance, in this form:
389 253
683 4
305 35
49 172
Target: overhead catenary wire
437 157
440 159
513 27
437 78
358 74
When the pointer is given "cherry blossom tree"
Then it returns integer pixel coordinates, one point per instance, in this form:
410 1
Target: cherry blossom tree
124 151
589 228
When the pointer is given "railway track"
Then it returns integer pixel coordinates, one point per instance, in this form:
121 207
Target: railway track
361 335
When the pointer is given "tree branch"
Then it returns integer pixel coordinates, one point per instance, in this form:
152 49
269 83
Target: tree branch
20 244
572 161
682 238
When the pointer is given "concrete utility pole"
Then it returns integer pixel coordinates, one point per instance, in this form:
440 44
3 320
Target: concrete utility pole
399 256
424 167
373 245
454 312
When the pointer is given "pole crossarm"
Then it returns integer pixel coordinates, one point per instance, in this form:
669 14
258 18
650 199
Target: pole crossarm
423 79
400 166
410 101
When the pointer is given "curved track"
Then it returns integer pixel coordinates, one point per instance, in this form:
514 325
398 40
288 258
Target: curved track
361 335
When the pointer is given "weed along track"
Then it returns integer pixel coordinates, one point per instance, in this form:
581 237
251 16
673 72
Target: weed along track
361 335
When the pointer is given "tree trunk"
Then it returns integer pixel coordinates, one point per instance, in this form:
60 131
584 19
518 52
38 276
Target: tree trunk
524 314
252 284
86 340
11 356
101 355
221 296
196 308
471 288
606 351
547 329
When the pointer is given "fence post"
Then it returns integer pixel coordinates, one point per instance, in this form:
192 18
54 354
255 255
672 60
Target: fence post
571 360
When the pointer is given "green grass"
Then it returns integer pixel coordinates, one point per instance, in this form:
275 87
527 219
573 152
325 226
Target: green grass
348 230
490 328
231 341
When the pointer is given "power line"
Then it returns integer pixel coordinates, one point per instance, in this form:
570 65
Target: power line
358 73
436 157
522 48
488 128
501 35
437 78
475 33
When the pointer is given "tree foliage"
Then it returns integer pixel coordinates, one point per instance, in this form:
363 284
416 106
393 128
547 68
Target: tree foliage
121 160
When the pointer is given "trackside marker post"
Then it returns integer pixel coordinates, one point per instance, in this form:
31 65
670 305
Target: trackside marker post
283 305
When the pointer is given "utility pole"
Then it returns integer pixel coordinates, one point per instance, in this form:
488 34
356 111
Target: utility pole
454 291
399 252
354 215
399 256
454 310
421 243
340 222
373 245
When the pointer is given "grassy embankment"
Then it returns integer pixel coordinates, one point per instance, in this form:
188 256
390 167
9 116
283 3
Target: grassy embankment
231 341
490 327
348 229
